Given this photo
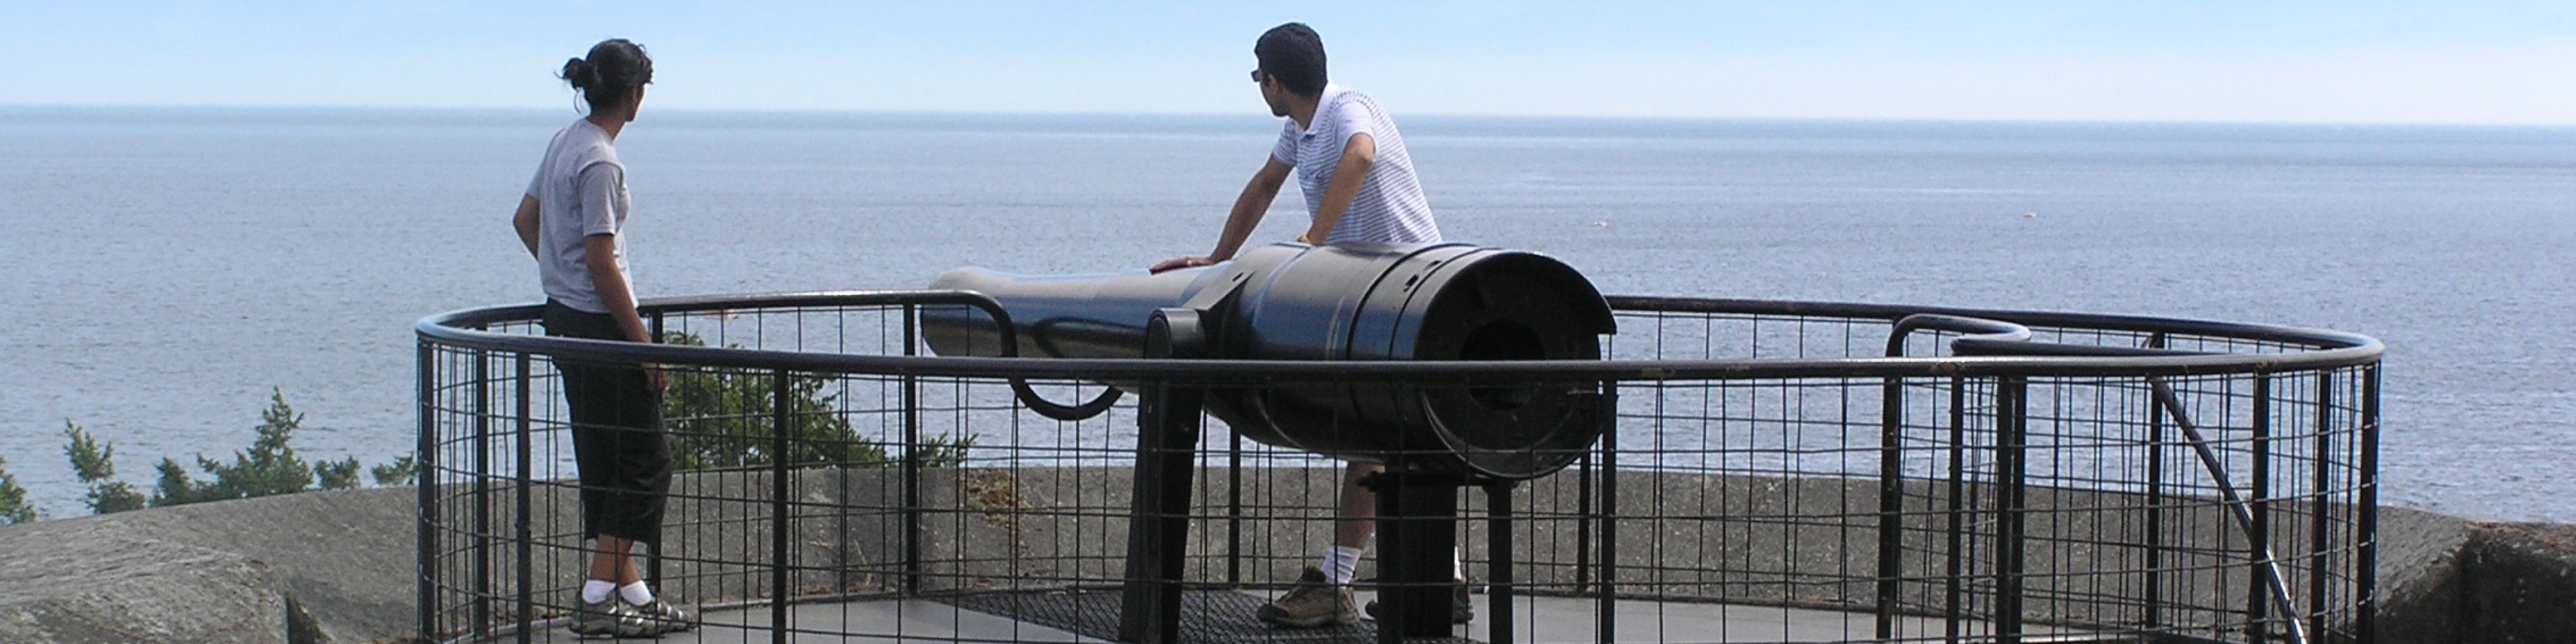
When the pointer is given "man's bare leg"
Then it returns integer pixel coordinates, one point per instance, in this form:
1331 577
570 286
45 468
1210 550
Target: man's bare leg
1357 522
1322 596
1358 519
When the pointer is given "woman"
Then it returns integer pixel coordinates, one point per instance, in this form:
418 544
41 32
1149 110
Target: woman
573 220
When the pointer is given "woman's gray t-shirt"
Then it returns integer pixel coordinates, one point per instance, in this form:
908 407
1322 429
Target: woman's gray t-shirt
580 191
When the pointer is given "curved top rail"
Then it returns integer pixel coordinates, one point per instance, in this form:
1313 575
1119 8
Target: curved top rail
2329 349
2322 340
1981 331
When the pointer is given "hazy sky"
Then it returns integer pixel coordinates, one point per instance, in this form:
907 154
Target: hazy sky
2372 62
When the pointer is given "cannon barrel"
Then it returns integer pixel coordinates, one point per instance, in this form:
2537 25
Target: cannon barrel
1343 302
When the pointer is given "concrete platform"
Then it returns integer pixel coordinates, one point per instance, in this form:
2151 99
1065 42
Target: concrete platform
1226 618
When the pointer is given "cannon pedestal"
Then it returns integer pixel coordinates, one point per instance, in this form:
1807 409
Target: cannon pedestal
1417 530
1158 526
1417 517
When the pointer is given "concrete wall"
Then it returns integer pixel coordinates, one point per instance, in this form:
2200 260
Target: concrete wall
2499 582
338 566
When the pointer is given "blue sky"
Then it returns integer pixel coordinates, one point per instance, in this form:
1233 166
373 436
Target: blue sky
2348 62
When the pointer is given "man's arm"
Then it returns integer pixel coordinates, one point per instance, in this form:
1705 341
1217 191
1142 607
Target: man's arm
1358 155
1248 209
599 254
526 223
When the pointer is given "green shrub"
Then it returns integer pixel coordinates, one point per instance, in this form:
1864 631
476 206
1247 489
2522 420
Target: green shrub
336 475
269 467
716 420
95 465
402 471
13 500
723 420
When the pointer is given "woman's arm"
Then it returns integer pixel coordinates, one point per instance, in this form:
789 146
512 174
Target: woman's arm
526 223
599 254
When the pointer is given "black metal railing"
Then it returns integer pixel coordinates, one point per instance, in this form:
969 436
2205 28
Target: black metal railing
1771 471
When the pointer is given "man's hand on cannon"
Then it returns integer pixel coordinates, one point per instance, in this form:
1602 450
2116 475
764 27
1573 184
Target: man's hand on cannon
1183 262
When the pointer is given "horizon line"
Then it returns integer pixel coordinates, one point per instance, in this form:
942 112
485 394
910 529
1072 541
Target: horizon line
1433 115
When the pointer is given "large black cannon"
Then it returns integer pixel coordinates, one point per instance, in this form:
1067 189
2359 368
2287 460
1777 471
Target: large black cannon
1348 302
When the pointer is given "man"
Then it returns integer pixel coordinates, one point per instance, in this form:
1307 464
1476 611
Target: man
1359 186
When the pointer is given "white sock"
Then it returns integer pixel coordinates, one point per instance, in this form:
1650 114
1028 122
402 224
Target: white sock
596 590
636 593
1341 564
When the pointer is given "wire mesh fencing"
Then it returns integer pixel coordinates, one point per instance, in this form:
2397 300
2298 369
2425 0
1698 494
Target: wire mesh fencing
1763 471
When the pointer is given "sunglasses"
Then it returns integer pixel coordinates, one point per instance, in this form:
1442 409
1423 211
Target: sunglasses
1257 76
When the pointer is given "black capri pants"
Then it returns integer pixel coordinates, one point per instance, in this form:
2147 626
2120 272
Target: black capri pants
617 438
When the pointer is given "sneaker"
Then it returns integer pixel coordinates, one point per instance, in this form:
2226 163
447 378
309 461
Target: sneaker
599 618
1314 603
1460 611
663 613
615 618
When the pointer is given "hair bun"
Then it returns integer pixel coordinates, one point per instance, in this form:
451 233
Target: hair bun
612 71
580 73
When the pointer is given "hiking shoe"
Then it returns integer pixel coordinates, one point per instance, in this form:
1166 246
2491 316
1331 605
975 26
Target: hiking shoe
1314 603
1460 612
664 614
615 618
599 618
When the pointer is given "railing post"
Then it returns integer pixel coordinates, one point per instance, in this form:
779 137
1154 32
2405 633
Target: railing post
1583 519
780 456
912 510
1499 560
1606 626
482 613
2259 538
1891 503
1234 509
2365 574
425 538
1953 578
524 532
2319 506
842 575
2153 611
653 549
2012 436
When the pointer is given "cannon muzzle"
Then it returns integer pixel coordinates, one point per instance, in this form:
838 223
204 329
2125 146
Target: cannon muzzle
1348 302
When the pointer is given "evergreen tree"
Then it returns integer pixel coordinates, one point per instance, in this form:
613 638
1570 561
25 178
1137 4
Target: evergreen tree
13 500
269 467
95 465
175 487
336 475
402 471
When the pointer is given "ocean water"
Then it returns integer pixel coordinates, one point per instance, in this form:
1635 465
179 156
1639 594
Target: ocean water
169 268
